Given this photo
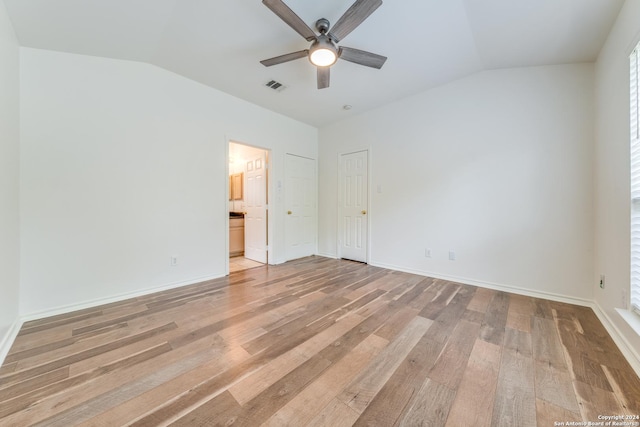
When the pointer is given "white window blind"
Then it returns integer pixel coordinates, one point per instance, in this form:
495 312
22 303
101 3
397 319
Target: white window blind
634 85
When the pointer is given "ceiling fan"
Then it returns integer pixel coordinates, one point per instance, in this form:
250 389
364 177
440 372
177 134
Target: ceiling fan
323 52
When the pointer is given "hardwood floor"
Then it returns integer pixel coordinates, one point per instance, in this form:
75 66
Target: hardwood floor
318 342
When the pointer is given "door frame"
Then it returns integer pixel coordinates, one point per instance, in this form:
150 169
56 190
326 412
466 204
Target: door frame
229 140
368 192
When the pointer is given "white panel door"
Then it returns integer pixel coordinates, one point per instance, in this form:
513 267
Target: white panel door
300 202
255 199
353 194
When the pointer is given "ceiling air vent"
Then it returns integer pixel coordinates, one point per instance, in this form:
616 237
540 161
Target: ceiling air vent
277 86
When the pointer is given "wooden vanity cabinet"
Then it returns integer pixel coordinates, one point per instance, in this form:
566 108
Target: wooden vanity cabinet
236 236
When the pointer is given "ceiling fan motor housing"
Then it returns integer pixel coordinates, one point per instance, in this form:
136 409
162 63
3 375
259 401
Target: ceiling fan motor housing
322 25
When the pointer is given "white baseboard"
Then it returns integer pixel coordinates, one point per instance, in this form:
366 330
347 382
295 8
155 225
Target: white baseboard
495 286
108 300
619 338
332 256
8 339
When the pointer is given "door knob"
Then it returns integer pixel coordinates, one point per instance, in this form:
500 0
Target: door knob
363 212
289 212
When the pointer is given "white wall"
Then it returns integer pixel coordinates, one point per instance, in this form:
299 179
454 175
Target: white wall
123 165
496 166
612 204
9 185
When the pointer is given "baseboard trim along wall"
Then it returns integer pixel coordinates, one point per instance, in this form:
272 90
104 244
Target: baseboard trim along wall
116 298
8 339
623 344
495 286
332 256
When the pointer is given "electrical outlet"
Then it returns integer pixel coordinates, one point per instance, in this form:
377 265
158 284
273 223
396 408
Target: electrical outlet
174 261
602 281
427 252
452 255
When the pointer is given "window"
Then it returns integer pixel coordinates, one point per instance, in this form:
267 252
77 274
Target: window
635 178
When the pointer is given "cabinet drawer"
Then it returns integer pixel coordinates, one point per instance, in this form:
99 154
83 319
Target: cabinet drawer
236 222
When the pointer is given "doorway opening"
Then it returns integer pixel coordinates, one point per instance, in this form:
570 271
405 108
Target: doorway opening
248 208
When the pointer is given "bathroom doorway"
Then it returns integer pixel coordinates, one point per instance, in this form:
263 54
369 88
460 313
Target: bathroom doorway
248 208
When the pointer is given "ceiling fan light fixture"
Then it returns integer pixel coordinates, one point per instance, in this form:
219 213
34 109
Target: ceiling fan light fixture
322 52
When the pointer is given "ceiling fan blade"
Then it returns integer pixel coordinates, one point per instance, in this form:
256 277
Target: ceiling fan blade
323 77
354 16
285 58
361 57
290 18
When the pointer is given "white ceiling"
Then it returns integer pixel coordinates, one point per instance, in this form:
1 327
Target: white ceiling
220 43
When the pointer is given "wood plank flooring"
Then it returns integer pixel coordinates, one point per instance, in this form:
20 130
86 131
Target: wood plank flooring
318 342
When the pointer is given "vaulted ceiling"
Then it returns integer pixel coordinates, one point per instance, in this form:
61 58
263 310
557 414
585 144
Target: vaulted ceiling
220 43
